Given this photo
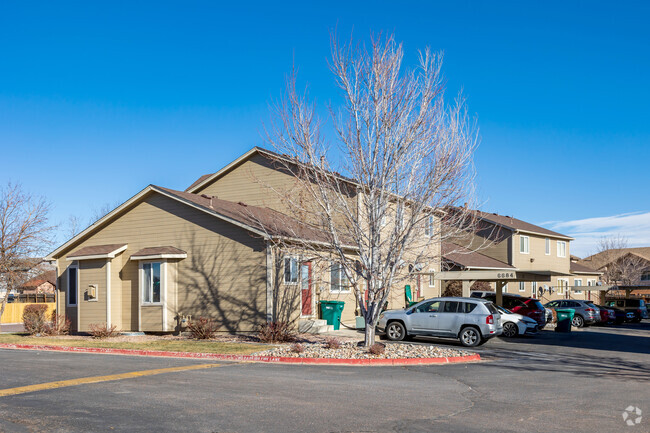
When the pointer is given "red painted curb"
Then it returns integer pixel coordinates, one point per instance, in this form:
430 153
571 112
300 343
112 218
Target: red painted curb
248 358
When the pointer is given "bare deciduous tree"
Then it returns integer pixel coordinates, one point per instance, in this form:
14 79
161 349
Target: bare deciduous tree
619 266
24 235
405 158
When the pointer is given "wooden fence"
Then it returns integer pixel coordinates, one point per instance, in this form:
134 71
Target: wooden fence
14 311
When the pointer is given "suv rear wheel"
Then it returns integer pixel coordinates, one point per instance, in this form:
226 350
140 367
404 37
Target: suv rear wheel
395 331
578 321
470 337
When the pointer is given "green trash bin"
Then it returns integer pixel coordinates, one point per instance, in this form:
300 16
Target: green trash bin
331 312
564 319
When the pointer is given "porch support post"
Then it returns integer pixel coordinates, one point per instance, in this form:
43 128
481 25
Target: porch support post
499 291
466 288
269 282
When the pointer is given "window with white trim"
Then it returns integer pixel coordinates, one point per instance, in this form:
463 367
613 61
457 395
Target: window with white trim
505 287
522 286
533 289
151 282
547 242
577 282
432 281
290 270
524 244
73 284
338 279
561 249
429 229
562 283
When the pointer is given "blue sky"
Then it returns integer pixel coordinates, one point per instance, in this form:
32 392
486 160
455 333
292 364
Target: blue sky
98 100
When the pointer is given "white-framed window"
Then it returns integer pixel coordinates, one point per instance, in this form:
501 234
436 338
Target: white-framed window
522 286
533 289
291 270
561 249
432 281
505 288
591 282
547 243
562 283
73 285
429 229
152 282
577 282
524 244
338 279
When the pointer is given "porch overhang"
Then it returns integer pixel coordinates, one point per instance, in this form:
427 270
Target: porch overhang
495 275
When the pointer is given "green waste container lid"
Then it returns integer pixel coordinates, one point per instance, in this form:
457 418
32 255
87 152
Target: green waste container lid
332 302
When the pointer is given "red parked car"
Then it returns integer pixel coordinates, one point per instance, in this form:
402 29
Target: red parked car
529 307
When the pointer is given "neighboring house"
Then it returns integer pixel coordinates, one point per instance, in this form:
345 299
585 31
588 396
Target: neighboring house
207 251
25 270
43 283
626 268
527 259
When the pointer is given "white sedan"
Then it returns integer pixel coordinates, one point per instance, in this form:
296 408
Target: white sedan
515 324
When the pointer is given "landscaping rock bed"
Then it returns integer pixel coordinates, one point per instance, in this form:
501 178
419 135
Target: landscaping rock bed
349 350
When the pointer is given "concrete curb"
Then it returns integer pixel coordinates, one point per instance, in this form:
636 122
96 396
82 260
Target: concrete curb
247 358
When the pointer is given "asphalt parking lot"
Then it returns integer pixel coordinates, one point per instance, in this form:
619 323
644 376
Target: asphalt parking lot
549 383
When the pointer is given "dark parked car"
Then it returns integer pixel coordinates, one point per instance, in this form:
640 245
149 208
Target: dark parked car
529 307
607 314
635 306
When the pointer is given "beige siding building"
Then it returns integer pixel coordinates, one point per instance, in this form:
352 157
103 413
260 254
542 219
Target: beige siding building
167 255
537 260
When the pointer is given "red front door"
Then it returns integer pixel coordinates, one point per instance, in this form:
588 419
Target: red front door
305 288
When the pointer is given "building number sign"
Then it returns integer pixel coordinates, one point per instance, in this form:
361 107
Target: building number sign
506 275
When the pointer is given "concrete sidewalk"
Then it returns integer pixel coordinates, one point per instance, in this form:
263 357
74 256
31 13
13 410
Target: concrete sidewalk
10 328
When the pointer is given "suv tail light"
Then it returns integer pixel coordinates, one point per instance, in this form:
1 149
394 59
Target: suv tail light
489 320
589 309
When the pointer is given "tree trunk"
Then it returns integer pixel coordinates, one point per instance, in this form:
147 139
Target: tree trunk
369 338
4 304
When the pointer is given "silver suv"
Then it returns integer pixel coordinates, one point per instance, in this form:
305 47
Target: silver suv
472 321
585 313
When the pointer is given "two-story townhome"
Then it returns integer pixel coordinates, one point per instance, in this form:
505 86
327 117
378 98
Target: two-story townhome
211 250
526 259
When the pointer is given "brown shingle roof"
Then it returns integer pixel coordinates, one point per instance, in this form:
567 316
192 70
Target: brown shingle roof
517 224
580 268
49 277
198 181
151 251
96 250
599 260
470 259
262 219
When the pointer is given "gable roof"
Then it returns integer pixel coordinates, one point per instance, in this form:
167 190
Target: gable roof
469 259
261 221
208 178
518 225
45 277
601 259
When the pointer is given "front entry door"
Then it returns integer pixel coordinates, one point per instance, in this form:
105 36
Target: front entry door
305 289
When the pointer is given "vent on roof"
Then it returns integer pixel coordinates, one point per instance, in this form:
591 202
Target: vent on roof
241 203
209 197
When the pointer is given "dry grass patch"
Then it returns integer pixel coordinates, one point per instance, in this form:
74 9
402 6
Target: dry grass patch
165 343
